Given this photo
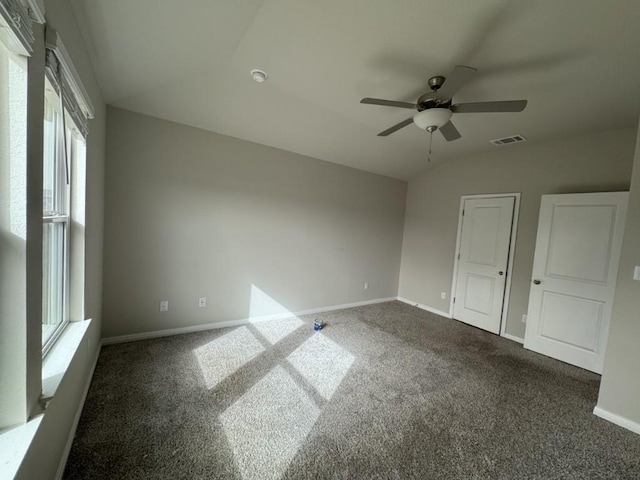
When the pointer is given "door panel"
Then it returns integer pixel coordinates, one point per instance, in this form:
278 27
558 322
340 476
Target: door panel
479 294
574 272
580 242
484 231
482 265
571 320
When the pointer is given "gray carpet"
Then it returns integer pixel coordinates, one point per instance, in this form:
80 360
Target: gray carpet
385 391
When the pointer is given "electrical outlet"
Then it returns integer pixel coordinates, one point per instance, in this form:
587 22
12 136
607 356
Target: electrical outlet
443 295
202 302
524 318
164 305
366 285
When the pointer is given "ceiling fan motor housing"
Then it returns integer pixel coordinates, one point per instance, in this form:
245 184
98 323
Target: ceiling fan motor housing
436 82
432 112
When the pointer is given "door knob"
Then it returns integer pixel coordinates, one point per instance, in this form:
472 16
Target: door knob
536 282
500 272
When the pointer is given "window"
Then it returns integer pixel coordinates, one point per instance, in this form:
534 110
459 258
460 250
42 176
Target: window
66 114
55 218
63 151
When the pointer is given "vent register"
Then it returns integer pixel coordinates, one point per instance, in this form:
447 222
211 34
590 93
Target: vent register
507 140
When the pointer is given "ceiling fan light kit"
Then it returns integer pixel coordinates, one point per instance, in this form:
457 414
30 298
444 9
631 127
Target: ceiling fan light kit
432 118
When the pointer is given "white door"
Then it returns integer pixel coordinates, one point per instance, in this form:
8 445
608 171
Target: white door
574 276
483 260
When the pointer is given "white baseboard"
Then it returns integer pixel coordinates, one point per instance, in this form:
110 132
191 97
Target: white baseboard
134 337
76 420
425 307
617 419
513 337
234 323
448 315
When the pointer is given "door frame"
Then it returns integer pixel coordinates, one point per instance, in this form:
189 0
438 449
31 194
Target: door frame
512 244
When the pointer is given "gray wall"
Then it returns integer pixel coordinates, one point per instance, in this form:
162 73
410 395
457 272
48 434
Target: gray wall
256 230
620 387
593 163
43 457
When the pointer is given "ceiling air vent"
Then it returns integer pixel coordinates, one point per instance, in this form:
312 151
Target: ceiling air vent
508 140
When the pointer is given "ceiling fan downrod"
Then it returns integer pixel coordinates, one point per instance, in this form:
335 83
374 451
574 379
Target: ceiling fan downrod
430 129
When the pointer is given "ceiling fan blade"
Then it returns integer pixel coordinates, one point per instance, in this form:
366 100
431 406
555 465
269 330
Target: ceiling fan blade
460 76
490 107
396 127
387 103
450 132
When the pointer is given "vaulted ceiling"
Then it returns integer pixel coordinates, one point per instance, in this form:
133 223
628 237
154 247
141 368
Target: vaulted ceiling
188 61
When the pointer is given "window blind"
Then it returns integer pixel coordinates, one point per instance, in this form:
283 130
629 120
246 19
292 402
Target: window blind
63 75
55 74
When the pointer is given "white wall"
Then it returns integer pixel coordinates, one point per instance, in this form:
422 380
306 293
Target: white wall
620 386
43 457
592 163
256 230
13 242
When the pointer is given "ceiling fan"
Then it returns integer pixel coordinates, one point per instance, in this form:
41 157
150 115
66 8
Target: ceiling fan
436 107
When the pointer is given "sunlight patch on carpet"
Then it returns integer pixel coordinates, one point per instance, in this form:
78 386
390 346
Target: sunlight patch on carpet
221 357
322 362
267 425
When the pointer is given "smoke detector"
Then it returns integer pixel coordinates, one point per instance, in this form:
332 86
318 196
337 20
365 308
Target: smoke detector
258 75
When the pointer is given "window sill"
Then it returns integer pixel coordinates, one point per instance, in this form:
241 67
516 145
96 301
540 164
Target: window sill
58 359
14 442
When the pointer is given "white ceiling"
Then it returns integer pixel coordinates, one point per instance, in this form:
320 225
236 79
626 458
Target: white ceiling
188 61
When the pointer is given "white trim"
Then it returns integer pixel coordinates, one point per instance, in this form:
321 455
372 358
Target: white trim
512 245
619 420
513 337
16 32
234 323
425 307
76 420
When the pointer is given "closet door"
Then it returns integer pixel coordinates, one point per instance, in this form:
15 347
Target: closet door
574 276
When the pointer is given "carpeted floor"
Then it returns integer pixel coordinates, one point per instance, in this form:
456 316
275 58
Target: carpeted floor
384 391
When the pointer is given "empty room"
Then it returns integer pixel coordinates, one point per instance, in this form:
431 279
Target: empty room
341 239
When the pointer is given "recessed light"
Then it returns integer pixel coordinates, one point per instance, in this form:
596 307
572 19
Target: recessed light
258 75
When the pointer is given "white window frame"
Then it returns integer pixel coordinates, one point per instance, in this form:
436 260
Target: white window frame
75 109
63 217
